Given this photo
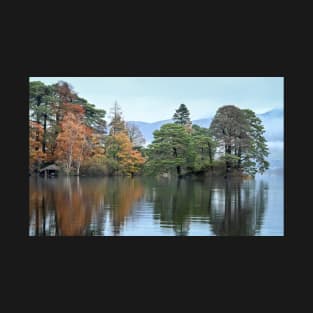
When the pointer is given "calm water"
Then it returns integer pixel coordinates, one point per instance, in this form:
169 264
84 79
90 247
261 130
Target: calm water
122 206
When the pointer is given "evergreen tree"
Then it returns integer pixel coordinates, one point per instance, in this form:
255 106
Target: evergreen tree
182 115
94 118
40 100
204 146
229 127
254 159
240 136
170 149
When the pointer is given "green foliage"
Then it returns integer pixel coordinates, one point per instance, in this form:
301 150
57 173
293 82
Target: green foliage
204 146
254 160
182 115
228 124
170 149
94 118
177 147
232 159
240 135
41 98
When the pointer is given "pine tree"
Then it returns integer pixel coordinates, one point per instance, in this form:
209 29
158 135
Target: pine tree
170 149
204 146
254 160
182 115
240 134
229 127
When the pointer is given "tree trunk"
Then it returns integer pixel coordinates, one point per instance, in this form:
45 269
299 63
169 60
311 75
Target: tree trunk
228 164
178 167
175 152
44 133
38 121
70 160
210 153
210 156
239 160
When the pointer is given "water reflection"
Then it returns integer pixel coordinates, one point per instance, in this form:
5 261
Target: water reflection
119 206
76 207
238 208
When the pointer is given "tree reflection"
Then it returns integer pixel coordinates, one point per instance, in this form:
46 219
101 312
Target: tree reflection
122 194
80 207
241 209
95 207
176 202
61 207
232 207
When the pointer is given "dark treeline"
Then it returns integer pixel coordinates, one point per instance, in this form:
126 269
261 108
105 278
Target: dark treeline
72 133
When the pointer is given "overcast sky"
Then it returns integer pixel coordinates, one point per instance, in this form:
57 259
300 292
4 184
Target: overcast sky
151 99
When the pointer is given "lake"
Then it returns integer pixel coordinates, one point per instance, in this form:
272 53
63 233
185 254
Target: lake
147 206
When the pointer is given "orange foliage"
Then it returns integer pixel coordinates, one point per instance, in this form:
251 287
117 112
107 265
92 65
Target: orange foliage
36 156
73 141
69 207
130 191
74 108
130 160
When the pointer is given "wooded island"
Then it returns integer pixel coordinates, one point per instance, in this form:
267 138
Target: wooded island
68 133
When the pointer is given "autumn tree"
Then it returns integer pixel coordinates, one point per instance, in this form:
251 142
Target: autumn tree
182 115
36 156
127 160
73 139
63 93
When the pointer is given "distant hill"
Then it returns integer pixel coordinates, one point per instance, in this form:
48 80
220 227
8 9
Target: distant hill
147 129
275 113
272 120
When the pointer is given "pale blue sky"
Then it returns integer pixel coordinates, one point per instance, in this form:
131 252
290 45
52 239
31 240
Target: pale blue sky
152 99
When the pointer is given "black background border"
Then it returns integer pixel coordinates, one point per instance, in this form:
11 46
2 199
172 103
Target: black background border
249 56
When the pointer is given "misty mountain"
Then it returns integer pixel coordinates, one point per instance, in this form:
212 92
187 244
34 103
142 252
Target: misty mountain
272 121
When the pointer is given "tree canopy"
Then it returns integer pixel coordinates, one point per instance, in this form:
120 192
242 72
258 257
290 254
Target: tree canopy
182 115
239 134
68 130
